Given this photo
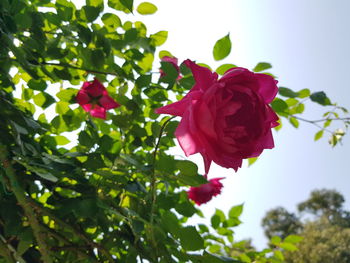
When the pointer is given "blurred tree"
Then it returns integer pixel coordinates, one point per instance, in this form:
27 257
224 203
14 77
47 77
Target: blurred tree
280 222
322 222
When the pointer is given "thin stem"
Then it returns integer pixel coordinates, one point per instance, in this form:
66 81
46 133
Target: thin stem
313 123
154 183
153 180
321 120
22 199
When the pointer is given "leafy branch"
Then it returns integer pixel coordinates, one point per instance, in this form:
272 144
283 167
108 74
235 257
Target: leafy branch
22 199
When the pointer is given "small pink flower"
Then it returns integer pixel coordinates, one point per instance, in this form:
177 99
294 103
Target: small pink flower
204 193
174 62
94 98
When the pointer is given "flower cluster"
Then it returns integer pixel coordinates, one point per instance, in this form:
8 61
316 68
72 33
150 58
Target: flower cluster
226 120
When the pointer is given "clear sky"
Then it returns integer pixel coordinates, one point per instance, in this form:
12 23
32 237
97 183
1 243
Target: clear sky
307 42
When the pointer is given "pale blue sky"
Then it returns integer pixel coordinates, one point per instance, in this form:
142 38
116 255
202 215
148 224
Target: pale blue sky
307 42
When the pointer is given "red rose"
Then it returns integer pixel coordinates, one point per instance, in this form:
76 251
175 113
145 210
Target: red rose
94 98
204 193
225 120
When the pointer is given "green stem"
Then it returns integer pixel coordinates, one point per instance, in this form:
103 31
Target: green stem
154 178
321 120
22 199
154 183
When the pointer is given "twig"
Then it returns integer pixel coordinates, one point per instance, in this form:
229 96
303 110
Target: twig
321 120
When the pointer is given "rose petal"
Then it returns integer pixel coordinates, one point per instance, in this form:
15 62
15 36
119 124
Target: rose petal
98 112
82 98
87 107
95 89
108 102
177 108
187 141
267 87
203 76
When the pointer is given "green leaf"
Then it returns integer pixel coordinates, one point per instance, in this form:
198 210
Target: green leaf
262 66
185 208
128 4
67 95
111 21
215 221
286 92
94 2
223 68
89 13
62 107
85 139
187 168
37 84
288 246
192 180
222 48
121 5
143 81
61 140
164 53
294 122
146 8
304 93
211 258
279 105
43 100
97 58
190 238
170 223
318 135
320 98
252 160
159 38
293 239
62 73
275 240
147 62
235 211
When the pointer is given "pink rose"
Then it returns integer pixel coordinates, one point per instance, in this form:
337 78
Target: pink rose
204 193
225 120
174 62
94 98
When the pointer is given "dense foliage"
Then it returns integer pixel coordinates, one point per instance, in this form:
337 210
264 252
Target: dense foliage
75 188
